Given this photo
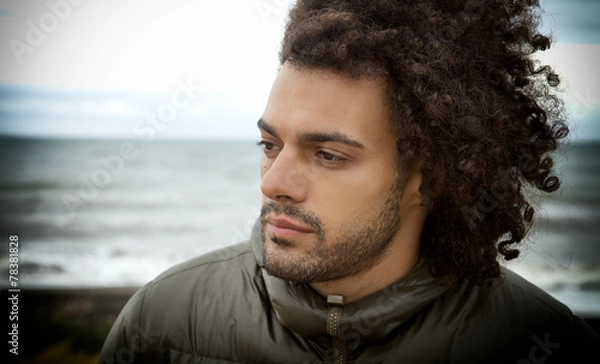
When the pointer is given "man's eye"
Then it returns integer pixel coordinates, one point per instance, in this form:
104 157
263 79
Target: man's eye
329 157
266 146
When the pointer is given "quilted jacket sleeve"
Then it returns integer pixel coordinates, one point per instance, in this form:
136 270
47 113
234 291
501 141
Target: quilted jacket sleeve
128 339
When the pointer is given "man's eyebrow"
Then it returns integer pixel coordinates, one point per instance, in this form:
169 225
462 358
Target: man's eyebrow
266 127
333 136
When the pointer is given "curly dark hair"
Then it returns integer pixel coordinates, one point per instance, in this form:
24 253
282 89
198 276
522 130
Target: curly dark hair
467 99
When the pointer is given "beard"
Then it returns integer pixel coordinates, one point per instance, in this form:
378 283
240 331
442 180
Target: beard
359 245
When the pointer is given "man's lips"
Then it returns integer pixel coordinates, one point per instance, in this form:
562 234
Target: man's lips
280 225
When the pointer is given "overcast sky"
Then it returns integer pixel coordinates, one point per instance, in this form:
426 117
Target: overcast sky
98 68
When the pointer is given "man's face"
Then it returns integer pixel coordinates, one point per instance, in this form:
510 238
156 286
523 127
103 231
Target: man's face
330 182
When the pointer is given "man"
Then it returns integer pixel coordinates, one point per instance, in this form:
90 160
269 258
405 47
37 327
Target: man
399 138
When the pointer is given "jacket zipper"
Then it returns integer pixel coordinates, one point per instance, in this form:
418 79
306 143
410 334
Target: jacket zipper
334 322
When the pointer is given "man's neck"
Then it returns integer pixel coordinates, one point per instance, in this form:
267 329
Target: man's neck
398 260
396 263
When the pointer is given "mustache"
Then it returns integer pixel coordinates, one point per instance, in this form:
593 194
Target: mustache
294 213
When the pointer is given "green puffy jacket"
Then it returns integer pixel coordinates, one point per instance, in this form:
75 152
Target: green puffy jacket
224 307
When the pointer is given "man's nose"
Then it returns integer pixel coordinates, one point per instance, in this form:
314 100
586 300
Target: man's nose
284 179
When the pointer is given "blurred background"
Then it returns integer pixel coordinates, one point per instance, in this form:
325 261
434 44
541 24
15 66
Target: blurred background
127 145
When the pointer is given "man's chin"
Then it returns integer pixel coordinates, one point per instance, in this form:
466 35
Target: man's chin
277 269
281 261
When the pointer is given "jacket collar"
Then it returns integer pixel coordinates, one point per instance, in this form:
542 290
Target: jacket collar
300 309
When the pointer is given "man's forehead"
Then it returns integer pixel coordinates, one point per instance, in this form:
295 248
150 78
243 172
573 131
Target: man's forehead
321 101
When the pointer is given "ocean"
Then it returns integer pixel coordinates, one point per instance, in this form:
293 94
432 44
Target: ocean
92 213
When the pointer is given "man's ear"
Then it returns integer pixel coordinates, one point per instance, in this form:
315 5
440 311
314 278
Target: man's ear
412 197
